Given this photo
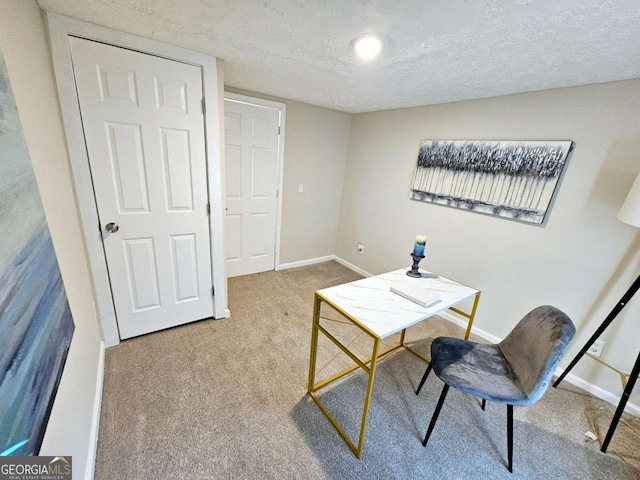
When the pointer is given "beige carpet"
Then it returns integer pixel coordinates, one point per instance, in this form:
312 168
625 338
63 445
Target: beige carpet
227 399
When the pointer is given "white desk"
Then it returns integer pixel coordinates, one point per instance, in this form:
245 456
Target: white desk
370 305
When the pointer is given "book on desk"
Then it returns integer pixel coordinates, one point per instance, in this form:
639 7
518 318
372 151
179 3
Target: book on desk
417 294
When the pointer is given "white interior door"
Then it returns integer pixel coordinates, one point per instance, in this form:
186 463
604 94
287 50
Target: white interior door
144 131
251 180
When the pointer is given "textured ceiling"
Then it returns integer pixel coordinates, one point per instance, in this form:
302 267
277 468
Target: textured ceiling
435 51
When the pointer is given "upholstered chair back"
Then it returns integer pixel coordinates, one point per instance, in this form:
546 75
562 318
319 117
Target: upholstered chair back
535 346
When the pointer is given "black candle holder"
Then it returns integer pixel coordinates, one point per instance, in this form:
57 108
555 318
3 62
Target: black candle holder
414 272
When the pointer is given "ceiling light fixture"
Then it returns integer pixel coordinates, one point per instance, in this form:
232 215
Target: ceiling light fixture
367 47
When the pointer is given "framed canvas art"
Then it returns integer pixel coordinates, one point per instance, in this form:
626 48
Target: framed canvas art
510 179
35 320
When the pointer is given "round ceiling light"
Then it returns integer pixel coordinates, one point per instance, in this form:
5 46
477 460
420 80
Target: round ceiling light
367 47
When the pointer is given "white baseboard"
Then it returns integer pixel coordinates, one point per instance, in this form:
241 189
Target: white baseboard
305 263
351 266
475 330
593 389
600 393
327 258
95 419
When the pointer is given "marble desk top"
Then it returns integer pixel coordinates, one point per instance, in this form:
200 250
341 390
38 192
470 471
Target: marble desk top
371 302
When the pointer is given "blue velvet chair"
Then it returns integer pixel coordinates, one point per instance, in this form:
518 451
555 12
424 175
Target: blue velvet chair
516 371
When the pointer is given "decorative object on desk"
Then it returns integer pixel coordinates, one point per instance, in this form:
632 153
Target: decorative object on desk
417 255
417 294
418 247
629 213
35 320
415 268
511 179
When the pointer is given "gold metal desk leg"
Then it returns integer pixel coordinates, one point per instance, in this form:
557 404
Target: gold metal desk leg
472 315
312 388
314 344
367 398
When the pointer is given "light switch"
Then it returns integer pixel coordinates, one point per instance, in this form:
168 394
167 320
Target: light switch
300 188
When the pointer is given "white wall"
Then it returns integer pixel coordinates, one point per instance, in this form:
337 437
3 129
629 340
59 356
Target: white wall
24 44
315 155
582 261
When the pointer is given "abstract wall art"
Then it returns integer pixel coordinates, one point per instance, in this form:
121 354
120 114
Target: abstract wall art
35 320
510 179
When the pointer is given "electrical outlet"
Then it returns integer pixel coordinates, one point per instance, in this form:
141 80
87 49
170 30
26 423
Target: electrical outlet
360 249
596 348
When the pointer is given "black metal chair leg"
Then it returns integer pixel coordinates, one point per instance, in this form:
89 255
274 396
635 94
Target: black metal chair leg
484 403
424 378
510 436
445 389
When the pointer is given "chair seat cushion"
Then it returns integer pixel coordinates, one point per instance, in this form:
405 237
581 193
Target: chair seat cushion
478 369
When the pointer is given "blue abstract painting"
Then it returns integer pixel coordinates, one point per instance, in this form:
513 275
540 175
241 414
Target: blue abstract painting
35 320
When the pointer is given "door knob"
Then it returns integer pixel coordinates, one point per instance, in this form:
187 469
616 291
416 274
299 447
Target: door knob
111 227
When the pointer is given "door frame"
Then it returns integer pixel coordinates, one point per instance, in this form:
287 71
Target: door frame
60 28
282 109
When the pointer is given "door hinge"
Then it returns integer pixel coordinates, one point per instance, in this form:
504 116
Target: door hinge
204 106
213 291
277 194
278 129
208 208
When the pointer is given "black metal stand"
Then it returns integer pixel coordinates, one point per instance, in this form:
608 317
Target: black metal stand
414 272
635 286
